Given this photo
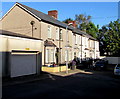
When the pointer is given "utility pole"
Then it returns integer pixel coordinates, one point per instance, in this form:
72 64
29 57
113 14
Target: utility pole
67 47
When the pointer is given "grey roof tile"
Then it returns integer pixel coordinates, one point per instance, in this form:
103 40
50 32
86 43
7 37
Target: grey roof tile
52 20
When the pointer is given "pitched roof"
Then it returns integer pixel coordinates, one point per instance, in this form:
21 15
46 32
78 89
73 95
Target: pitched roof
43 16
9 33
52 20
49 43
78 31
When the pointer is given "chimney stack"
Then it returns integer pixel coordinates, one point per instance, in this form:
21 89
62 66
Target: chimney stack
73 23
53 13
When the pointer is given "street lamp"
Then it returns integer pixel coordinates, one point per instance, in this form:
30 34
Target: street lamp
32 24
66 46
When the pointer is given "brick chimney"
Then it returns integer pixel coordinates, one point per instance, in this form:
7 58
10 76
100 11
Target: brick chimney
53 13
73 23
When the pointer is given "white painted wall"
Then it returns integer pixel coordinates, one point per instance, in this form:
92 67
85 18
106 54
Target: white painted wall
112 60
0 60
10 43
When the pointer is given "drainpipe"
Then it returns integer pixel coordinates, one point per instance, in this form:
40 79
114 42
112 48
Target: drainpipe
94 49
32 24
81 48
59 55
40 29
44 54
59 52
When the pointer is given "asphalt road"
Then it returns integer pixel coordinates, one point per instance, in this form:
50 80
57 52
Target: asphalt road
99 85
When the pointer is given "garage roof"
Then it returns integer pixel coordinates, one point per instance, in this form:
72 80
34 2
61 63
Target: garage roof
8 33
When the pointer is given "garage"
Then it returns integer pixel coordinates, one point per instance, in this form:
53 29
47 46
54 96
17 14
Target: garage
23 63
21 55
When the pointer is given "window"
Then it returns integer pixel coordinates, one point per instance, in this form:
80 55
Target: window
57 33
75 39
47 55
52 55
70 55
80 40
74 54
49 32
60 34
90 43
85 41
67 36
66 55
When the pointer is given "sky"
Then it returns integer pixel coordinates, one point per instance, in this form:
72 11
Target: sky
102 12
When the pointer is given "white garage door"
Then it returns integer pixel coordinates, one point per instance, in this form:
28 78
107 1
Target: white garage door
23 64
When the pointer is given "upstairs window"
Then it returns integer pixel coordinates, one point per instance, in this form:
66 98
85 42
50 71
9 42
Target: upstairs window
57 34
75 39
67 36
49 32
85 41
80 39
60 34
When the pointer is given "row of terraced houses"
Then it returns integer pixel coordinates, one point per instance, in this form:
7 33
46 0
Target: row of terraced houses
42 33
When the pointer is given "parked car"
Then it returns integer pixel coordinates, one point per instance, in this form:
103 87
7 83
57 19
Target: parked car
117 70
100 65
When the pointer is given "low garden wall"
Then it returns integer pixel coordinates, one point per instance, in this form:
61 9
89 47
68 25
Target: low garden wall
54 69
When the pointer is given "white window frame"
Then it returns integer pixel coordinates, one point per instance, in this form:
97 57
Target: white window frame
85 41
66 55
70 55
80 40
57 33
61 34
75 36
76 39
67 36
47 55
49 31
52 55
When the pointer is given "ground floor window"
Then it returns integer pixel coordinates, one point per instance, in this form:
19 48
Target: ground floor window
66 55
47 55
70 56
50 54
74 54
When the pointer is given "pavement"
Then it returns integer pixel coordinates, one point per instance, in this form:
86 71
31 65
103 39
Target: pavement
24 79
71 72
50 75
43 75
84 84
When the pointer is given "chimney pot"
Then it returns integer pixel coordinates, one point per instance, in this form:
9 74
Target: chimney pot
53 13
73 23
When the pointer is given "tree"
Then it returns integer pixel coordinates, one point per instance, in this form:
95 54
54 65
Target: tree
109 37
92 30
82 20
67 20
101 39
84 24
